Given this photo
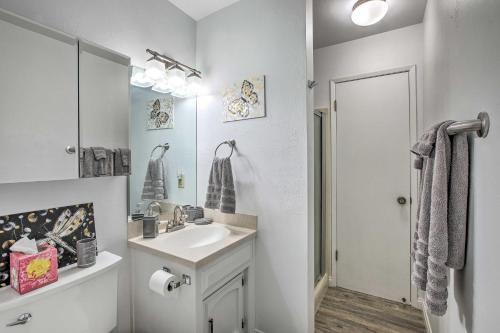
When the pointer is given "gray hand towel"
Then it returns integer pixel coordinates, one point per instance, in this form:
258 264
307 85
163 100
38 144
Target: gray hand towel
109 163
87 163
118 163
126 161
220 191
214 185
459 191
228 198
99 161
122 162
155 184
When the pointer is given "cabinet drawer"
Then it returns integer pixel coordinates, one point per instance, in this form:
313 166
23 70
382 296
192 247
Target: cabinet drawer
223 269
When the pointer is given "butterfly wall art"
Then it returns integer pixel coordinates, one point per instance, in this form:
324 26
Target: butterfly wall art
60 227
160 113
245 100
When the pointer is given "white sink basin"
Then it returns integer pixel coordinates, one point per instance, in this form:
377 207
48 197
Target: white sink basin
197 236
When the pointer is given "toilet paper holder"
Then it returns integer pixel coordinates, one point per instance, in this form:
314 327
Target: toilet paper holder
185 280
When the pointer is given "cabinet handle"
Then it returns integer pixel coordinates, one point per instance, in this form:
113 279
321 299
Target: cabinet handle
70 149
211 325
21 320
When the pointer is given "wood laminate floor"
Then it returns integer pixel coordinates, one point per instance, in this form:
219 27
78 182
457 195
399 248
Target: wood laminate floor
348 311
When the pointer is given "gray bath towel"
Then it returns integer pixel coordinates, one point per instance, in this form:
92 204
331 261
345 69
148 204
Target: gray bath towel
457 210
424 149
439 242
220 191
155 182
436 294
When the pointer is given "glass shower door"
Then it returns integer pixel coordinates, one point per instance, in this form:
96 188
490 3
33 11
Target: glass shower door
319 220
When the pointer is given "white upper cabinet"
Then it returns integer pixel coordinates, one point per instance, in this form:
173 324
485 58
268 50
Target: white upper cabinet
38 102
104 97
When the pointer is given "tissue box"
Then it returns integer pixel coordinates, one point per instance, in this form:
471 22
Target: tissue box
32 271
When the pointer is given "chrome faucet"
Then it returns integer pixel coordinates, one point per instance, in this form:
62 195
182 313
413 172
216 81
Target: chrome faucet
150 210
178 222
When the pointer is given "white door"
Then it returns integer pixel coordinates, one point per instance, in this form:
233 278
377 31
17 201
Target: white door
38 102
373 171
224 310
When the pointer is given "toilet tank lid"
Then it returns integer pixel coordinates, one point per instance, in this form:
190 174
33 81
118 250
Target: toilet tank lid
69 277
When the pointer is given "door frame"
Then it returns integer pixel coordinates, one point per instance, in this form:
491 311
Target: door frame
414 132
321 286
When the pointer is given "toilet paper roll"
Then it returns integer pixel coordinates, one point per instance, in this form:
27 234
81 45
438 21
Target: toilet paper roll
159 284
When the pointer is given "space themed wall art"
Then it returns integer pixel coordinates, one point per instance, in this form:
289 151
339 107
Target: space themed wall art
60 227
245 99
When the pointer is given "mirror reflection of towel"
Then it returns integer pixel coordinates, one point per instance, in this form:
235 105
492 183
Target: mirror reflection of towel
155 182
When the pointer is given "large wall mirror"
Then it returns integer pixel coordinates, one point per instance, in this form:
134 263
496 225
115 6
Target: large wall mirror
168 124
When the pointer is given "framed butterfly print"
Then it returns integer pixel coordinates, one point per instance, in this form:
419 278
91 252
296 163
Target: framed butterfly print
160 113
245 99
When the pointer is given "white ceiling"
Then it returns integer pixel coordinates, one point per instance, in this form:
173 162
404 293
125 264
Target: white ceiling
198 9
333 25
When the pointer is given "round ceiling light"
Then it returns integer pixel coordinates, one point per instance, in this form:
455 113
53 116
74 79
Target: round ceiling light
368 12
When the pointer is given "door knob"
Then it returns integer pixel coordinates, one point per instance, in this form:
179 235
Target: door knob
21 320
70 149
401 200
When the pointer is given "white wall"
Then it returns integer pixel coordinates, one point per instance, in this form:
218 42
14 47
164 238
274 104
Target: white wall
388 50
462 77
249 38
128 27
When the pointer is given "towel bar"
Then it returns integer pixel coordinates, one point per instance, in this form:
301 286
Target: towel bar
230 143
164 146
481 126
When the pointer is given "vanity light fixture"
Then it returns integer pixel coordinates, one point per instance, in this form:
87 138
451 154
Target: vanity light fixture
167 76
368 12
155 70
176 76
194 83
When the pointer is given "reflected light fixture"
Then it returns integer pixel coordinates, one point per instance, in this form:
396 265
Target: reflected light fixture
140 79
162 86
368 12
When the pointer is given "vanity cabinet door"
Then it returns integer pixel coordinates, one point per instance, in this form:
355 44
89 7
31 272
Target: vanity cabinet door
224 309
104 97
38 102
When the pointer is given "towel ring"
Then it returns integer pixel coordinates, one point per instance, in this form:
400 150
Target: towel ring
230 143
165 147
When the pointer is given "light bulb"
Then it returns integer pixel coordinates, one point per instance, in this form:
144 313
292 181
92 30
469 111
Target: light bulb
155 70
139 79
368 12
176 76
162 86
181 92
194 84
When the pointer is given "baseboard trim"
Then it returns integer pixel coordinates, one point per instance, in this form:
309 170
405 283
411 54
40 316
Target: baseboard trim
258 331
427 321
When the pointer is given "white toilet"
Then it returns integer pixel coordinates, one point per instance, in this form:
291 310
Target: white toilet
82 300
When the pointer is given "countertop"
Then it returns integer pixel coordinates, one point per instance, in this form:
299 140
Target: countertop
192 257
